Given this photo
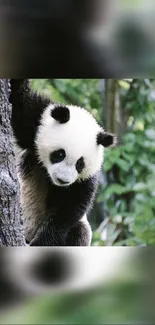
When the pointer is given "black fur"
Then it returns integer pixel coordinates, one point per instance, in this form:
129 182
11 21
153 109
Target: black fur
105 139
61 114
80 165
70 203
28 107
65 206
57 156
78 235
27 162
48 235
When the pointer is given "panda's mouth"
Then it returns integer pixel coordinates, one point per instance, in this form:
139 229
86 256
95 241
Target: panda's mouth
60 182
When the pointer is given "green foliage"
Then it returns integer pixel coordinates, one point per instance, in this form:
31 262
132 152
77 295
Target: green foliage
128 194
118 302
73 91
133 197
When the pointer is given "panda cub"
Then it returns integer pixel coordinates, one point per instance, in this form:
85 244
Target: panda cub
62 154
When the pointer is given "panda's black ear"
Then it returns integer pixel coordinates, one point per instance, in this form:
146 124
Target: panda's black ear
106 139
61 113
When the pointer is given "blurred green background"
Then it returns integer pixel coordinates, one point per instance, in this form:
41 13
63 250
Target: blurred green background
124 210
117 288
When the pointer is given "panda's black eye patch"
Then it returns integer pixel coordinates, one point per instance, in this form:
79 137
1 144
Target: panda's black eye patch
57 156
80 164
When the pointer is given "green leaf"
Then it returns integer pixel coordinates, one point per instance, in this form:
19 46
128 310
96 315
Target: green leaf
60 85
112 189
123 164
107 165
139 187
129 157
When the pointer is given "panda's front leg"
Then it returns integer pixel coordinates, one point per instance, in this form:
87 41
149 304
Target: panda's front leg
80 235
49 235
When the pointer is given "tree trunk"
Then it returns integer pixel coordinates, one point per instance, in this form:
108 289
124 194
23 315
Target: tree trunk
11 229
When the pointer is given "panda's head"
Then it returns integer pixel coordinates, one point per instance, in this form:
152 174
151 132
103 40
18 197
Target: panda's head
70 143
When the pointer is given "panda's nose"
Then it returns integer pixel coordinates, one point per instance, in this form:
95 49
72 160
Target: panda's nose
61 181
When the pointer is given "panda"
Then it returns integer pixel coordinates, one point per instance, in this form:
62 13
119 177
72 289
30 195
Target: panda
61 154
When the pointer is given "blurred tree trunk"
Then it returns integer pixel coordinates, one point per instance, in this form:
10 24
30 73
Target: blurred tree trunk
112 122
11 230
116 111
112 110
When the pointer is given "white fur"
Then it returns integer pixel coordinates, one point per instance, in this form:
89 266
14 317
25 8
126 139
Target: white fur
77 137
84 220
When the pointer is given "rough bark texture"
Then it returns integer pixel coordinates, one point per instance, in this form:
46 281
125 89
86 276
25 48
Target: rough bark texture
11 230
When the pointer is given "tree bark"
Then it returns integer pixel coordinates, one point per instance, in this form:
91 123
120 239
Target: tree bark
11 229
